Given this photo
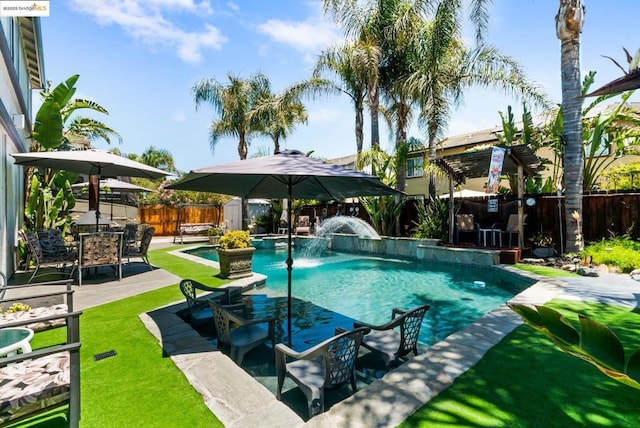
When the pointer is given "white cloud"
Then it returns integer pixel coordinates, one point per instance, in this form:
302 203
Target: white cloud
148 22
306 36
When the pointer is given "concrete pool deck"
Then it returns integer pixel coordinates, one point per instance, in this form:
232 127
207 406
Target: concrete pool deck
240 401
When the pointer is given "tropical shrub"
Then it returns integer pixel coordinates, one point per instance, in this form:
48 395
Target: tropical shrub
214 231
433 220
622 252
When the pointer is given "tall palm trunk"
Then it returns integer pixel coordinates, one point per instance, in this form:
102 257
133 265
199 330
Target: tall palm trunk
359 128
568 27
242 152
374 101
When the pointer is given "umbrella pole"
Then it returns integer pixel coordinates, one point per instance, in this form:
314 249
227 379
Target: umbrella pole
289 261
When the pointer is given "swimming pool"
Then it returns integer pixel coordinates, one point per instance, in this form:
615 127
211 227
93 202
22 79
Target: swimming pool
334 289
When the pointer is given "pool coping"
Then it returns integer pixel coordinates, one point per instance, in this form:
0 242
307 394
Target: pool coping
238 400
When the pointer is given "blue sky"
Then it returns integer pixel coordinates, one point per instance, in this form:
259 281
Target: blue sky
140 58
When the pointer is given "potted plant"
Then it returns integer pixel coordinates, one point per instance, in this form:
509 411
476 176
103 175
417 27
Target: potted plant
542 245
235 254
214 234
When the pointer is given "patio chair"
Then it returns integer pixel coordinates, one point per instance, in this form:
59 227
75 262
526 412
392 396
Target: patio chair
55 256
246 335
465 223
391 344
199 311
303 226
100 249
511 228
328 365
141 250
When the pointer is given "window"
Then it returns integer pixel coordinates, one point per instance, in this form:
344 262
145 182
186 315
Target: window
415 167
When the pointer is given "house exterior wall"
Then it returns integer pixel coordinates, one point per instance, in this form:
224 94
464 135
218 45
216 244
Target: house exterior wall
15 129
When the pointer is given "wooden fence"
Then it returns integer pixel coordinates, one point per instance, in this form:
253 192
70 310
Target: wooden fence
603 215
166 219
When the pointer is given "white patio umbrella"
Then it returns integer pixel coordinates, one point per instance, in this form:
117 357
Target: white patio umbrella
90 162
289 174
113 185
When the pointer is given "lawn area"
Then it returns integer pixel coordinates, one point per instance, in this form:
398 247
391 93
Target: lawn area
525 381
139 386
547 271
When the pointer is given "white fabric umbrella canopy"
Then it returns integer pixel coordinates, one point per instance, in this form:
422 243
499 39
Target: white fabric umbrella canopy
286 175
113 185
90 162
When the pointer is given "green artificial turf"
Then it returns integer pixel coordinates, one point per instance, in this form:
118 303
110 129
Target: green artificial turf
525 381
544 270
139 386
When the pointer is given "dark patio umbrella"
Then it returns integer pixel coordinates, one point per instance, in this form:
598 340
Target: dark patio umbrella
90 162
291 175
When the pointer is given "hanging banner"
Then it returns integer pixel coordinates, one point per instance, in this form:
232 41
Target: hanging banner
495 169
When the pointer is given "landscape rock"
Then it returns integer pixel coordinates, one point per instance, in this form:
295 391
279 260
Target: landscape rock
635 275
587 271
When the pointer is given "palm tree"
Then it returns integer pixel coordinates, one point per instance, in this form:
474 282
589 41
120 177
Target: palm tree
364 24
232 103
279 114
158 158
568 27
348 63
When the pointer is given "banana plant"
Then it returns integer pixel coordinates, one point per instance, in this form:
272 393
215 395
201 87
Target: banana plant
47 210
384 211
595 343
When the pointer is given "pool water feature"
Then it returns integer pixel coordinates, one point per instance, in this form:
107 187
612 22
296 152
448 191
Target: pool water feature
333 289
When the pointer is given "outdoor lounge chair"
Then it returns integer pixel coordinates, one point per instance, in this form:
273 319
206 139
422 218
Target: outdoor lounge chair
56 256
328 365
199 310
511 228
246 335
465 223
303 226
141 250
391 344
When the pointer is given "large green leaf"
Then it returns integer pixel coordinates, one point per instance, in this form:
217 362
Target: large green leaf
633 367
601 343
559 327
48 128
528 314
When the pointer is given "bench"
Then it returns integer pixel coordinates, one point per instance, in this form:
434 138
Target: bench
192 229
47 378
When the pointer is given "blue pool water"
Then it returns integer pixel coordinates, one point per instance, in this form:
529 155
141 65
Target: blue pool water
334 289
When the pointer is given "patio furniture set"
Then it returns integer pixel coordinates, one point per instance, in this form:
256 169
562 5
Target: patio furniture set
328 365
488 236
47 248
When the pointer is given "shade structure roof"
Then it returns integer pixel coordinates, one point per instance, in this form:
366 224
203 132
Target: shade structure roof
90 162
475 164
277 175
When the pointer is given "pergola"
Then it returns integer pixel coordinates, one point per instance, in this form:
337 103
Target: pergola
519 160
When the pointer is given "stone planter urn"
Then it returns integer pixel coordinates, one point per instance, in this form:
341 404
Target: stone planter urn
214 239
235 262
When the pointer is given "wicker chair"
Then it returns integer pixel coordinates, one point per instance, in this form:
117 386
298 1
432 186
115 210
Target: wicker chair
100 249
391 344
58 256
141 250
328 365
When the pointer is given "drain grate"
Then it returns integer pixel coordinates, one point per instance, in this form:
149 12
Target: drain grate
103 355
